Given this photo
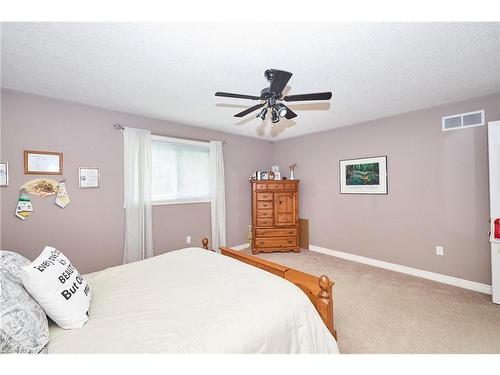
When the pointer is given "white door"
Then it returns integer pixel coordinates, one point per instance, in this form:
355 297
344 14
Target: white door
494 156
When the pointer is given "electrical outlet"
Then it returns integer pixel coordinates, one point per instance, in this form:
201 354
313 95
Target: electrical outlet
440 250
188 239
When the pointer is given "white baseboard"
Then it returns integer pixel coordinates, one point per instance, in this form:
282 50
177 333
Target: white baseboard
240 247
461 283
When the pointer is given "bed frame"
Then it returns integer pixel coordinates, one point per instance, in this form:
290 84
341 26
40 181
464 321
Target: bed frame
317 289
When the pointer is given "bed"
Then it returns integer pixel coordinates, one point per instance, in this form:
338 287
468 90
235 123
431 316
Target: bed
197 301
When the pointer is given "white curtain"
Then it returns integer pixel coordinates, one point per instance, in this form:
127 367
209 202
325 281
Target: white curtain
137 185
217 195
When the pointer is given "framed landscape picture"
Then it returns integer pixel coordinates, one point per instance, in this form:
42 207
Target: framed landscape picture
364 176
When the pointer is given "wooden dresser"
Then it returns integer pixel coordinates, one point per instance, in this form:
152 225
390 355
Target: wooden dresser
275 216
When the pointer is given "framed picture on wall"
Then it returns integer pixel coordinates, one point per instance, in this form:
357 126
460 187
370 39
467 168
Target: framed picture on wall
363 176
4 174
43 162
88 177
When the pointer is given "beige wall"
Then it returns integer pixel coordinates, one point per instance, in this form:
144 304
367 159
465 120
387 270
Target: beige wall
438 190
90 229
438 186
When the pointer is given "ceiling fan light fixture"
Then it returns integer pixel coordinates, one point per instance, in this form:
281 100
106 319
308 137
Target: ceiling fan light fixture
262 114
281 109
274 116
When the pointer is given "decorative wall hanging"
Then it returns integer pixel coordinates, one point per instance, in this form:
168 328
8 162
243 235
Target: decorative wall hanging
88 177
4 174
62 198
24 207
43 162
363 176
43 187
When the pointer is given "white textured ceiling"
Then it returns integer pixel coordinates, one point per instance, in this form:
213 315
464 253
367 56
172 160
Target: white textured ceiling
171 71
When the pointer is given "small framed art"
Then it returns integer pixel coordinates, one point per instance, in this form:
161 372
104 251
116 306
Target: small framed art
363 176
43 162
4 174
88 177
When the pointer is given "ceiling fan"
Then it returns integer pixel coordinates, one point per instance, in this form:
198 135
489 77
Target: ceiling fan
272 97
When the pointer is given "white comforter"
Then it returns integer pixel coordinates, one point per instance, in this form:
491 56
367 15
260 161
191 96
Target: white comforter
194 300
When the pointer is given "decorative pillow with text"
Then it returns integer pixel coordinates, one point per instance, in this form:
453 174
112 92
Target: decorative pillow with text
58 288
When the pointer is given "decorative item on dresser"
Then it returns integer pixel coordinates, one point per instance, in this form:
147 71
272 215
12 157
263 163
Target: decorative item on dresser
275 216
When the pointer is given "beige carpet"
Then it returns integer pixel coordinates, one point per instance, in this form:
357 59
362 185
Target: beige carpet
380 311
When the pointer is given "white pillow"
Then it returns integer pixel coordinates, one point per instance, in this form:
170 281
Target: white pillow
58 287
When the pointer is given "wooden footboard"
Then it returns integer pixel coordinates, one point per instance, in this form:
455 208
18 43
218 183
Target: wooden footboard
317 289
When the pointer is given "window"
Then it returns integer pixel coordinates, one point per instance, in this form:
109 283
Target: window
180 171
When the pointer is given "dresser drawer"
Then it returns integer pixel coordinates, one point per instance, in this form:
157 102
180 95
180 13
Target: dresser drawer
276 242
264 205
290 186
265 196
275 232
264 213
265 222
275 186
269 186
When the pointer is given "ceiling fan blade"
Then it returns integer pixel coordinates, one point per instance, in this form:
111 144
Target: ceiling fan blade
249 110
290 114
279 82
240 96
315 96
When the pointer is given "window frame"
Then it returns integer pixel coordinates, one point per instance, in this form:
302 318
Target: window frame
164 202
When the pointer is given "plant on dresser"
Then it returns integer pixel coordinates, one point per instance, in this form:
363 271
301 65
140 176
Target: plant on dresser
275 216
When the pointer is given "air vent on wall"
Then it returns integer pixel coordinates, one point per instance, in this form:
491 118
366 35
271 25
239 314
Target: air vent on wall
463 120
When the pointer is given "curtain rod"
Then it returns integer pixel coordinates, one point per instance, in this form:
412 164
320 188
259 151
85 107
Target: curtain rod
120 127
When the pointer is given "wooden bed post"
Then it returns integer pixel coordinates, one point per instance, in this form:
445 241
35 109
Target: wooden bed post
204 243
324 304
